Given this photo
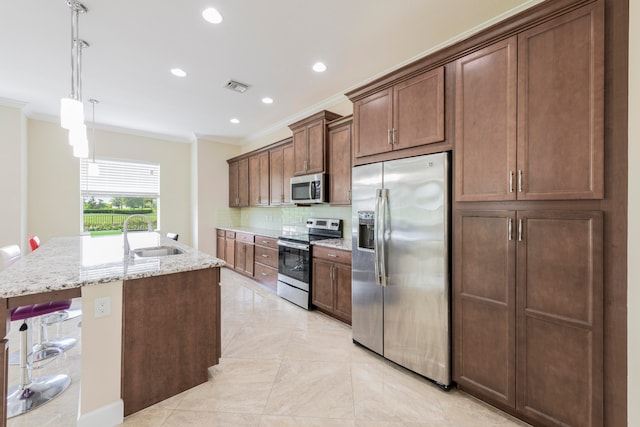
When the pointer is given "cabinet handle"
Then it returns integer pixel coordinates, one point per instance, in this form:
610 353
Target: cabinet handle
520 180
510 181
520 230
389 137
264 242
333 255
265 256
510 229
349 195
393 136
264 274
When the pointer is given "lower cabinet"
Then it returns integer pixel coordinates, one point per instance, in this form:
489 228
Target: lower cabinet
331 284
230 248
528 313
266 261
244 253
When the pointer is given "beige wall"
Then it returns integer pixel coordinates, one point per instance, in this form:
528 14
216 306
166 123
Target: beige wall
13 169
211 207
54 183
633 281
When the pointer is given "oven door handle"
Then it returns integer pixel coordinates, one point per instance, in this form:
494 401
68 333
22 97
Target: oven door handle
293 245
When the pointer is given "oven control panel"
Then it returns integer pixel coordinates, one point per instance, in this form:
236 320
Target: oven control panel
324 223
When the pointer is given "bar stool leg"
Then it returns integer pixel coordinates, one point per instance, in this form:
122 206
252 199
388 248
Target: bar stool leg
32 393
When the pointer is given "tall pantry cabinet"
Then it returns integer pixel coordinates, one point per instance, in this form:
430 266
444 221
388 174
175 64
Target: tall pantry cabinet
528 231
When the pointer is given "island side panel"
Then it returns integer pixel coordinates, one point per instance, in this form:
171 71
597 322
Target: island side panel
4 349
170 335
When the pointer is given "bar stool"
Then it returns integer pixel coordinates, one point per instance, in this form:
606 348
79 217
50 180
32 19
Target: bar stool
30 393
52 312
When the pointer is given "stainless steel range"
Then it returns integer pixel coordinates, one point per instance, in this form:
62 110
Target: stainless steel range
294 259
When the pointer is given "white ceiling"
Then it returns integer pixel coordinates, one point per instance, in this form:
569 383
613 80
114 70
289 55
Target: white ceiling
268 44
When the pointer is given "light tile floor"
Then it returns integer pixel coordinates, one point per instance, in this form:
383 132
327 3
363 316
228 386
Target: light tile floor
283 366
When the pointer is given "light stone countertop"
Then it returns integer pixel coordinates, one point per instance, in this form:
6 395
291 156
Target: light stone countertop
72 262
257 231
342 244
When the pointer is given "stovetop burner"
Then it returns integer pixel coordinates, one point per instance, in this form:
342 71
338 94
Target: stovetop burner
317 229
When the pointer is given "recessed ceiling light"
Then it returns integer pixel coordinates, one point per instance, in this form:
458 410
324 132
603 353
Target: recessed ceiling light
212 15
178 72
267 100
234 121
319 67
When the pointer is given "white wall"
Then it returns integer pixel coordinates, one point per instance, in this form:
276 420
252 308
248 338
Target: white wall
633 237
54 182
212 190
13 169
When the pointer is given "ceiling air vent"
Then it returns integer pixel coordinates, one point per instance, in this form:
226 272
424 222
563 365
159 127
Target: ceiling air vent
236 86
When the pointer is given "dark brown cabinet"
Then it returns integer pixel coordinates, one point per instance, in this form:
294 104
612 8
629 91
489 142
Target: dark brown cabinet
170 335
239 183
409 114
530 112
280 173
339 149
331 290
259 179
220 244
266 261
309 143
244 253
529 312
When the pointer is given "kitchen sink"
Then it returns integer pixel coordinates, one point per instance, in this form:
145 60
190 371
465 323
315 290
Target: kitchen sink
156 251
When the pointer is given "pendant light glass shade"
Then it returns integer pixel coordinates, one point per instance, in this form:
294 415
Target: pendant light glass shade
71 113
78 138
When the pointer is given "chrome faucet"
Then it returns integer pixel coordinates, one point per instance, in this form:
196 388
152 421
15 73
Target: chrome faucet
125 231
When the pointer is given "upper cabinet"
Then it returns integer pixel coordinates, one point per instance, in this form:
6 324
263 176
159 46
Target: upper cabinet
238 183
280 173
259 179
406 115
309 143
339 151
530 112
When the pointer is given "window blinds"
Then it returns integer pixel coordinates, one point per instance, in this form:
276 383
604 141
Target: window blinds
120 179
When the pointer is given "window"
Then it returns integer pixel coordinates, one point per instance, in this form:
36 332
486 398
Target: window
116 190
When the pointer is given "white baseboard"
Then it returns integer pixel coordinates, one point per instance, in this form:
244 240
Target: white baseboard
107 416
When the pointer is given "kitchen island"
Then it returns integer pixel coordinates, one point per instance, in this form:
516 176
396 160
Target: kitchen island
167 307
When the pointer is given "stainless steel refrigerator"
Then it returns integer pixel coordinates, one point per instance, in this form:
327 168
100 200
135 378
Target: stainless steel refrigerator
400 272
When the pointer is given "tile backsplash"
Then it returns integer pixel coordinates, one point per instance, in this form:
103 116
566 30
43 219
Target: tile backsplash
293 218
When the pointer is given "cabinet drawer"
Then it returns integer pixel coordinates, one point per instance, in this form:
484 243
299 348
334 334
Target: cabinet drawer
333 255
269 242
267 256
265 274
230 234
244 237
220 233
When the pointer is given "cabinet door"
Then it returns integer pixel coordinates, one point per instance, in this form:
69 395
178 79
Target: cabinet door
300 154
340 165
240 258
220 247
485 141
259 179
322 289
276 178
484 304
249 259
243 183
288 172
372 118
342 297
230 252
418 110
233 185
316 146
560 321
561 107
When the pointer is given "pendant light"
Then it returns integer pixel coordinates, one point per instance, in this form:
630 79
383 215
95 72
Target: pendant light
71 108
93 168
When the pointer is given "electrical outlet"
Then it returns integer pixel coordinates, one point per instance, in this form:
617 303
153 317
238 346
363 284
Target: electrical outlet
102 307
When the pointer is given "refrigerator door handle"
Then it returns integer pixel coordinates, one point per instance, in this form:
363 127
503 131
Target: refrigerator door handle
376 241
383 258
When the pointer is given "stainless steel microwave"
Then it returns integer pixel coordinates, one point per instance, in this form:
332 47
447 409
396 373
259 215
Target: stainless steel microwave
307 189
